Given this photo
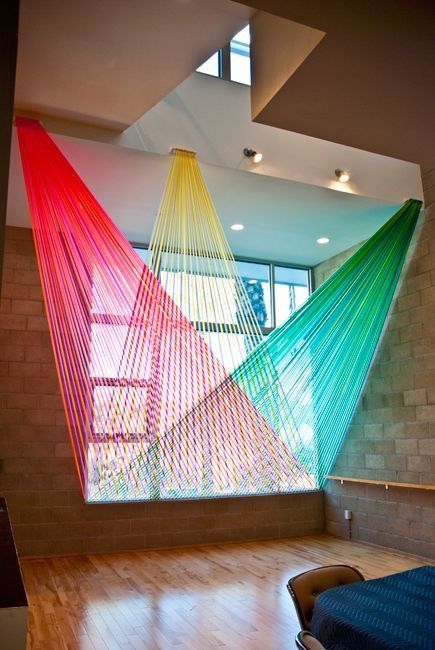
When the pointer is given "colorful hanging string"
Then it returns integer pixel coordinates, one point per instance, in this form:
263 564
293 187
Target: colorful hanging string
152 412
306 377
190 255
322 354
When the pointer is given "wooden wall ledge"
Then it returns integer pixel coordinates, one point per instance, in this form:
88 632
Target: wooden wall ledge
387 484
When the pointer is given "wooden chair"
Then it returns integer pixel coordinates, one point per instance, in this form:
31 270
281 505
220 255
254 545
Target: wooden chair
305 587
306 641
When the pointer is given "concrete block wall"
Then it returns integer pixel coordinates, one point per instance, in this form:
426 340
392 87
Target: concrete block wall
392 435
37 473
324 270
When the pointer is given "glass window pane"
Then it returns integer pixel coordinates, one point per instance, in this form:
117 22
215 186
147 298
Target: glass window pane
243 37
142 252
196 296
255 278
211 66
230 349
291 291
240 61
120 409
109 341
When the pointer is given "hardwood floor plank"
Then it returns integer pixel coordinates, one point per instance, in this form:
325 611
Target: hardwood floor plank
220 597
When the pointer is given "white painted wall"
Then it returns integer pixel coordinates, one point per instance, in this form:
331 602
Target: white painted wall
212 117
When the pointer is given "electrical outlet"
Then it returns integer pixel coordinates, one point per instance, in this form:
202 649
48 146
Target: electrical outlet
348 514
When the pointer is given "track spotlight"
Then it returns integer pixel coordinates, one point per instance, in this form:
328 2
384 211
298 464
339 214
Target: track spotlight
342 175
255 156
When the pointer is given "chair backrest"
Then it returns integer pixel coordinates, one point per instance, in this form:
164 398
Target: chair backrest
305 587
306 641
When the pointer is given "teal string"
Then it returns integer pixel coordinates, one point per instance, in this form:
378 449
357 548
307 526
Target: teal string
307 376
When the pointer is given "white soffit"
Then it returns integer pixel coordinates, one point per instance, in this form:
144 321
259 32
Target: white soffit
282 218
213 117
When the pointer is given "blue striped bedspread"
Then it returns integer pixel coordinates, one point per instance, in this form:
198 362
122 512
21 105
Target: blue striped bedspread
392 613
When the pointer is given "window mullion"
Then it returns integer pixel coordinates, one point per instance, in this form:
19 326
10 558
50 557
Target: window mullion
272 295
225 62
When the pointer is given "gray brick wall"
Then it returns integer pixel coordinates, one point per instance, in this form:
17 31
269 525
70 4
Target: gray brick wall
392 435
37 473
324 270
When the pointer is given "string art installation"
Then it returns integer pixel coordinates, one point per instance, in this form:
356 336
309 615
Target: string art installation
190 255
169 389
307 375
322 354
151 410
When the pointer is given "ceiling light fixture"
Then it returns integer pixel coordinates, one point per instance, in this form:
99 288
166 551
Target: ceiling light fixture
342 175
255 156
237 226
323 240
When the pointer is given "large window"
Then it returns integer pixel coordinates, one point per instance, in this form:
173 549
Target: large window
121 403
274 290
291 289
232 62
212 66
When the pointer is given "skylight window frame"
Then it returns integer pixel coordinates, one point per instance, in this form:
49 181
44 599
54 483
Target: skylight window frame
224 61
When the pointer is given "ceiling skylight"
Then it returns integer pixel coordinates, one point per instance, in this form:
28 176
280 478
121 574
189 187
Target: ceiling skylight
240 60
232 63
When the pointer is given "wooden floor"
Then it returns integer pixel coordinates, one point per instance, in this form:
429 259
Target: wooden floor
223 596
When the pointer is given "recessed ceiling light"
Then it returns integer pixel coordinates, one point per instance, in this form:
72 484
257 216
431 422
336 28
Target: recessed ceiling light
255 156
342 175
237 226
323 240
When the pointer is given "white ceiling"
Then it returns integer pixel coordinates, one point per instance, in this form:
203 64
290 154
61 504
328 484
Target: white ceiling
106 62
282 218
213 117
364 85
89 62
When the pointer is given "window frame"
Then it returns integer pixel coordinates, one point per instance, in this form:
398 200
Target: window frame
224 67
102 381
272 264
